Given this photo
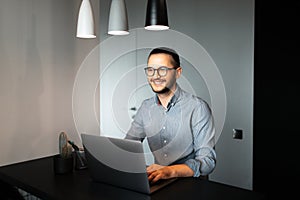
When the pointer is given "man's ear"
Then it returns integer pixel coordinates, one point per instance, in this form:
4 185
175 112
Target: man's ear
178 72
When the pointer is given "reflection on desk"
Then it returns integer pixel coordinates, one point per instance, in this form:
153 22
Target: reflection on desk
38 178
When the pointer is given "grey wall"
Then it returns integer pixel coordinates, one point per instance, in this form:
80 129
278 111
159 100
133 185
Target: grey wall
40 57
225 29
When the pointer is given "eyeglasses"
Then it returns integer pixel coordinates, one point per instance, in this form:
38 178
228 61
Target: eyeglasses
162 71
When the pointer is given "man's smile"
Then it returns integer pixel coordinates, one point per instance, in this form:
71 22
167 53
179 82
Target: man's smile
158 81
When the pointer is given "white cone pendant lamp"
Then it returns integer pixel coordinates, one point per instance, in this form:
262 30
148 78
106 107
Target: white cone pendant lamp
157 15
118 20
85 23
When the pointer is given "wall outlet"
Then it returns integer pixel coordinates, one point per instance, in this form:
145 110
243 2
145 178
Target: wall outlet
237 134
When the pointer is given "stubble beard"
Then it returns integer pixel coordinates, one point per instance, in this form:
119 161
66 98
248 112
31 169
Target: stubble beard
162 91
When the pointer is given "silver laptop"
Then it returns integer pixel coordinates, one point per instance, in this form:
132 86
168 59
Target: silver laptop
119 162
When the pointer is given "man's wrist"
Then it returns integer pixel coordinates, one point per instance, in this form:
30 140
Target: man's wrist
181 170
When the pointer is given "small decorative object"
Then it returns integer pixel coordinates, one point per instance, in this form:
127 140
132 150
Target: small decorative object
63 162
65 149
80 160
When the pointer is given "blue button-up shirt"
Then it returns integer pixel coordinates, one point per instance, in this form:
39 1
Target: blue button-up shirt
183 132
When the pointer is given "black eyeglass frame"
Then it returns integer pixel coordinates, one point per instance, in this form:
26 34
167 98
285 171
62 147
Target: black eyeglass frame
159 70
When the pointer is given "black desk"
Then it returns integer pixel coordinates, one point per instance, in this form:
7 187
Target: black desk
37 177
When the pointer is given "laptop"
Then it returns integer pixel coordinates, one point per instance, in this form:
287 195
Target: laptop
119 162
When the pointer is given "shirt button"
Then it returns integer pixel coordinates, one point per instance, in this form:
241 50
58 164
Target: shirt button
165 155
164 127
165 141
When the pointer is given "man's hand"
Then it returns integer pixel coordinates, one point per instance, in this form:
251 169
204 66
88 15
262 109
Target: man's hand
157 172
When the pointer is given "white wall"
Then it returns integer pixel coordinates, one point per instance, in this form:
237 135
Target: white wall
40 57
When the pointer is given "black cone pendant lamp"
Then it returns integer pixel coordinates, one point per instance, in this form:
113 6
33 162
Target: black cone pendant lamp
157 15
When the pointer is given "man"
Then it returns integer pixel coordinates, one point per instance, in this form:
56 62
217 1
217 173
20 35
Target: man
179 126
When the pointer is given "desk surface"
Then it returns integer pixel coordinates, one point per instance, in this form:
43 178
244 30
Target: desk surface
38 178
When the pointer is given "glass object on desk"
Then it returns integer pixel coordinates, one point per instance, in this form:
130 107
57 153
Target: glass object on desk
80 161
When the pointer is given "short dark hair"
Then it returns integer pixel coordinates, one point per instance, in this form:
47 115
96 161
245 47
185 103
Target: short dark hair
175 57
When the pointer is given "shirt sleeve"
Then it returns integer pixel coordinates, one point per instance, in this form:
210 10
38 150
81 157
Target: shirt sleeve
136 130
203 129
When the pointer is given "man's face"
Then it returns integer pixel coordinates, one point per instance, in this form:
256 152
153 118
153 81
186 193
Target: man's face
162 84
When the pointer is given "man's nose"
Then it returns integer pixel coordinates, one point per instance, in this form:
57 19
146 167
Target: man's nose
156 74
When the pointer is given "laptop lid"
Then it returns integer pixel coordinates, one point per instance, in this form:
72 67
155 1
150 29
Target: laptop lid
119 162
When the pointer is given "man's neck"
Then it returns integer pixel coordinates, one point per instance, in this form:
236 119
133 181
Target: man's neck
166 97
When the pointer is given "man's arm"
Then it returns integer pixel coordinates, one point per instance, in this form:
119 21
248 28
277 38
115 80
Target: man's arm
203 128
136 130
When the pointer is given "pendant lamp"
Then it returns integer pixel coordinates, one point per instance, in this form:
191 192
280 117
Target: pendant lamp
157 15
85 23
118 20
